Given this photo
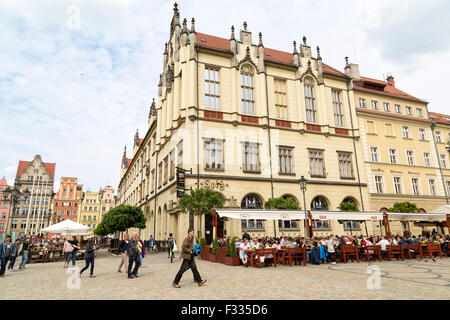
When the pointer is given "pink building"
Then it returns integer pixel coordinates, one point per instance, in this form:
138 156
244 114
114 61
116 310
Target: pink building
4 207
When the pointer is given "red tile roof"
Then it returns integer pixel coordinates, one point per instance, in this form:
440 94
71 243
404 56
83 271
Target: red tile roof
278 56
129 161
212 42
49 166
440 118
387 88
140 141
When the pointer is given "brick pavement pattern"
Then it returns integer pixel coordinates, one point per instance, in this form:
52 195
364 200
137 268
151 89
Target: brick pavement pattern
399 280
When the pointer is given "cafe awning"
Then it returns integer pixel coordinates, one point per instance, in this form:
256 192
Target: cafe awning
297 215
422 217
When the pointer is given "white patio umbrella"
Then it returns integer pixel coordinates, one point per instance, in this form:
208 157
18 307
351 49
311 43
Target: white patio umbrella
443 209
68 227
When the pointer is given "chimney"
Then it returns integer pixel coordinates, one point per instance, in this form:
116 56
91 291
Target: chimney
352 70
390 80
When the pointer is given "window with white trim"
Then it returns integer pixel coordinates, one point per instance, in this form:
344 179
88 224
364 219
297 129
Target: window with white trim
362 103
422 135
374 154
438 135
374 105
405 131
337 107
213 154
443 159
345 165
427 159
386 107
432 184
310 101
415 186
410 157
285 160
398 108
212 88
316 163
247 90
379 184
398 185
280 98
393 156
250 157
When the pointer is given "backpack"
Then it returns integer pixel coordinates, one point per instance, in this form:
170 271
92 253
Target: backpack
170 242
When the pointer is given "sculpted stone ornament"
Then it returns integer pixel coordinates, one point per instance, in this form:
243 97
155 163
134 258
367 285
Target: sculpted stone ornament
213 185
170 75
308 72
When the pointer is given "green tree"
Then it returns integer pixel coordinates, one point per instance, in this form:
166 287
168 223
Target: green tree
200 202
348 206
405 207
281 204
121 218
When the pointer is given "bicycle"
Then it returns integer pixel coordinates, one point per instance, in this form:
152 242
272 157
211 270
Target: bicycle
171 254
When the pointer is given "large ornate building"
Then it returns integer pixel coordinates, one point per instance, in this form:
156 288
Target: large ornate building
250 121
32 214
66 202
90 210
107 199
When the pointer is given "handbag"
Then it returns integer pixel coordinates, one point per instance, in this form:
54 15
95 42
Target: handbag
175 249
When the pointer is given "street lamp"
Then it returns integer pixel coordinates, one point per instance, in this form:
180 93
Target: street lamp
303 182
13 195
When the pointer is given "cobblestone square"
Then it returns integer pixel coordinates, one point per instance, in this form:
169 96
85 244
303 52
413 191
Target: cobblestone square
399 280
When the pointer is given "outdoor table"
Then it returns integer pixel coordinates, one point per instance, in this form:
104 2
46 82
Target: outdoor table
283 255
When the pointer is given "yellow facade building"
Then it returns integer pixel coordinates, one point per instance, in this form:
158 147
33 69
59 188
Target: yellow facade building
90 213
249 121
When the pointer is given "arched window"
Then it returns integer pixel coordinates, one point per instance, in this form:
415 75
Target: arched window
320 204
310 100
252 201
247 90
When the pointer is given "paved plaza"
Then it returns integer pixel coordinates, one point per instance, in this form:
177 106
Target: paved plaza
399 280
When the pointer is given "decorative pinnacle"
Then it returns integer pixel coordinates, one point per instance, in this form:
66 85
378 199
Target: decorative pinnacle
248 51
175 7
309 64
295 47
232 33
318 54
260 44
193 25
160 80
304 40
165 48
346 63
184 26
245 25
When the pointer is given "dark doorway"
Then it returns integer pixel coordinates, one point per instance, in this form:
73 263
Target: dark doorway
209 228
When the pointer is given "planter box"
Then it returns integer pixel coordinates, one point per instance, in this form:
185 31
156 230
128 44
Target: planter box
221 254
232 261
206 252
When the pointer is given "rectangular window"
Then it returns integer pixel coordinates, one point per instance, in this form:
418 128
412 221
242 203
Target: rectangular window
408 111
432 184
280 99
337 107
389 129
379 184
415 186
212 89
321 224
371 127
166 169
285 161
421 134
438 135
386 107
374 154
345 165
443 159
426 159
172 164
410 157
405 131
374 105
419 112
362 103
316 163
160 169
288 224
213 154
398 185
393 156
398 109
310 101
84 218
180 154
247 91
251 157
153 180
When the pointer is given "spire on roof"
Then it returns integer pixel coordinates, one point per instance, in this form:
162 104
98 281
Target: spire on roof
304 40
347 65
232 33
245 25
152 109
318 54
295 48
165 48
160 80
124 157
193 25
260 44
184 26
175 8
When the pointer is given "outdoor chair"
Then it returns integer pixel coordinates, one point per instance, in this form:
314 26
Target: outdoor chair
263 252
349 252
298 255
432 250
371 252
395 251
414 250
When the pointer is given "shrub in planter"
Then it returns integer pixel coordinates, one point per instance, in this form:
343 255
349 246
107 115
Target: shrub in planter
231 258
215 245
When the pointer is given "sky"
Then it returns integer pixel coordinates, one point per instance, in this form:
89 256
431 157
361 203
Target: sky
77 77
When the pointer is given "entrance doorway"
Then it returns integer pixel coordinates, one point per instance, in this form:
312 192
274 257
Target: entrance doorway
209 228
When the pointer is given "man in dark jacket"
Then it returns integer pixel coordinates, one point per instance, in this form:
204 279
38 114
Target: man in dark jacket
187 252
133 257
7 251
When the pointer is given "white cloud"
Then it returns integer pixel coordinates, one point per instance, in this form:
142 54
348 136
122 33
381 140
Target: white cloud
77 95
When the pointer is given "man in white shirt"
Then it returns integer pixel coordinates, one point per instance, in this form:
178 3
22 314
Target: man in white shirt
383 243
282 242
330 249
255 243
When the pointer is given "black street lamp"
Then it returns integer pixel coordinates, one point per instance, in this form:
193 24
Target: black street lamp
13 196
303 182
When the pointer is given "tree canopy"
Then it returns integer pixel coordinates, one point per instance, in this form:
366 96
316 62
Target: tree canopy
348 206
406 207
281 204
201 201
120 219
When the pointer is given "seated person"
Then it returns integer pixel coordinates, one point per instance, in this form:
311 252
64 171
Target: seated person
242 254
255 244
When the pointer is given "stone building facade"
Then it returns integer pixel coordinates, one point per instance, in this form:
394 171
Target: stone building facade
4 207
249 121
90 210
66 202
107 199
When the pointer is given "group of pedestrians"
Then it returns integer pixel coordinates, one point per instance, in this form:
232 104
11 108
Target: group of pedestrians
10 251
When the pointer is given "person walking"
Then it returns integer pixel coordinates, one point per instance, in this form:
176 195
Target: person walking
18 248
151 243
67 249
141 251
170 245
74 243
24 252
188 259
133 257
7 251
123 248
89 257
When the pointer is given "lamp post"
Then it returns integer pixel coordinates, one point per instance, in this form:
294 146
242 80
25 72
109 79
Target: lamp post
48 222
303 182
